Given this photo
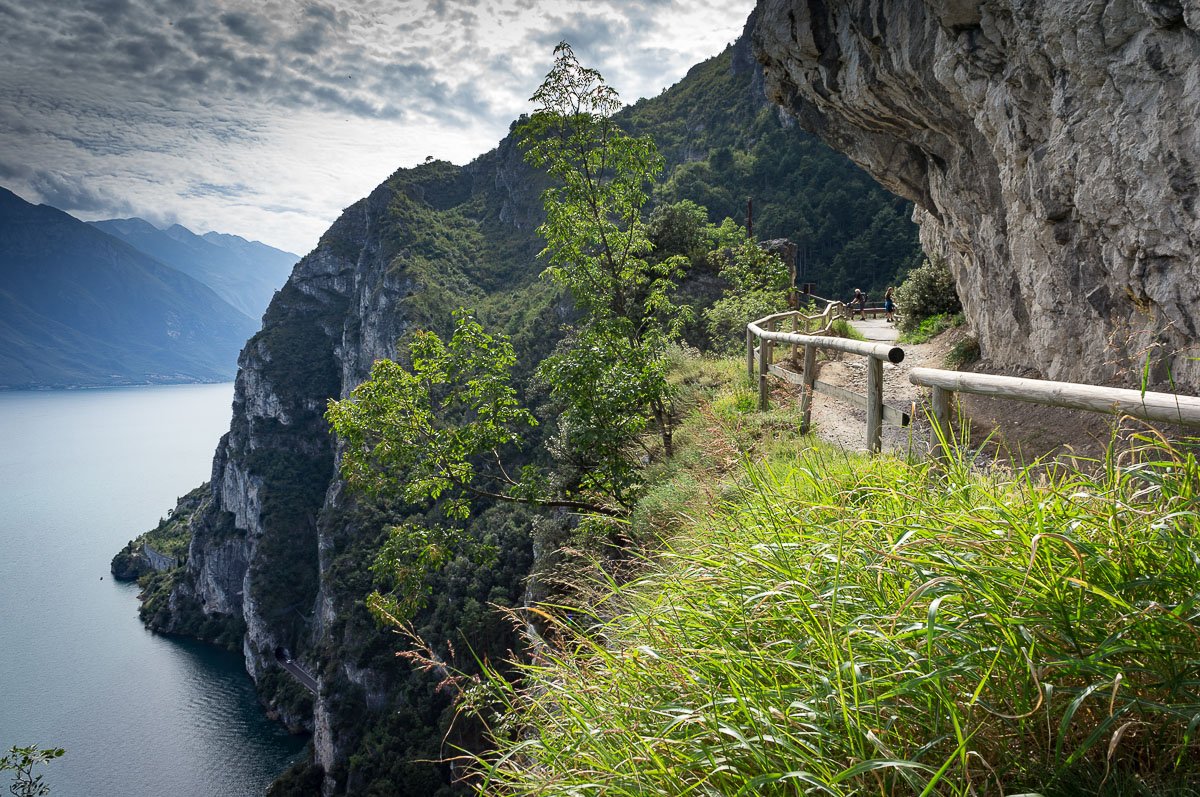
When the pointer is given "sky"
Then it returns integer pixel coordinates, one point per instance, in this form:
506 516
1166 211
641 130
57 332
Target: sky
265 118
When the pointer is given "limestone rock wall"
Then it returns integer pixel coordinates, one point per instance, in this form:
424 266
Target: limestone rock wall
1052 148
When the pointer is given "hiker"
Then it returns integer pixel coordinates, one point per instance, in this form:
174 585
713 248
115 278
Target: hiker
860 299
889 305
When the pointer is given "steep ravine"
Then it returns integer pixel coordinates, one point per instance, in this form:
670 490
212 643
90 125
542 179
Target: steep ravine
1052 149
265 541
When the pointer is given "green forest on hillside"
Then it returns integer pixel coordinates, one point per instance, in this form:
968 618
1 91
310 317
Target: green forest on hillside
724 144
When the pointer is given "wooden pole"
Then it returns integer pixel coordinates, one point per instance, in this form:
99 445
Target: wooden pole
939 400
795 328
810 378
749 354
771 326
874 405
762 375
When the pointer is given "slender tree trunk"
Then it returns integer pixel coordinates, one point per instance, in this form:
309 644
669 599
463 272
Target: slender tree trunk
662 417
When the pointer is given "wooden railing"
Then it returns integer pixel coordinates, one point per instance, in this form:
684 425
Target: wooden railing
801 323
765 332
872 309
1164 407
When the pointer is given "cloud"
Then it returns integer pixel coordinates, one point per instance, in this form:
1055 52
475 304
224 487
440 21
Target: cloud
246 27
265 118
65 190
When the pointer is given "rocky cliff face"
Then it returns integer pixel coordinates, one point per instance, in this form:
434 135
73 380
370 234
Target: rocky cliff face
1052 149
269 534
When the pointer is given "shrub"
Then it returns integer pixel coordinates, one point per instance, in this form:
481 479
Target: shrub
758 287
727 318
928 291
931 327
963 353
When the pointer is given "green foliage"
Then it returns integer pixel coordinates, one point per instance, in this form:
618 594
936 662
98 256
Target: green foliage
302 779
596 241
930 327
286 694
963 353
845 625
172 534
396 756
928 291
420 432
403 565
758 287
284 578
678 229
598 245
749 267
301 361
21 761
844 329
603 385
397 739
723 144
727 318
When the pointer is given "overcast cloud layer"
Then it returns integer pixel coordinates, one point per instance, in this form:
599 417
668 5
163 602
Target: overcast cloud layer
265 119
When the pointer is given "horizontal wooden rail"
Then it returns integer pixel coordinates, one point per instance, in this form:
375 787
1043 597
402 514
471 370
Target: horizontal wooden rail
765 333
1150 406
880 351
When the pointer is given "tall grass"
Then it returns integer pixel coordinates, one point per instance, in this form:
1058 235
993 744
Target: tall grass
844 625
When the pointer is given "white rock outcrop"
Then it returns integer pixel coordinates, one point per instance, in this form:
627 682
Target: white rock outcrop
1052 149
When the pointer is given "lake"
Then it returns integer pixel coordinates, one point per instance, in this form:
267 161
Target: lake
81 473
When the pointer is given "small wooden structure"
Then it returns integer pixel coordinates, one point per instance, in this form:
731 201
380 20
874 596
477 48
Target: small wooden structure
1164 407
765 331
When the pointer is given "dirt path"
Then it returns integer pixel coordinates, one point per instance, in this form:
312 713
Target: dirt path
1000 430
846 426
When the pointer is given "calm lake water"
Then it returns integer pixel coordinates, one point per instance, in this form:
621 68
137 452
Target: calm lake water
82 473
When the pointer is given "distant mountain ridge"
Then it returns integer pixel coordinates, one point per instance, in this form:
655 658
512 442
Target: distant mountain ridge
80 308
244 273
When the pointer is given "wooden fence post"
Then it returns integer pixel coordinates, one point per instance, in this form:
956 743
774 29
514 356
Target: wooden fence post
772 325
749 353
795 328
874 404
810 378
939 400
763 350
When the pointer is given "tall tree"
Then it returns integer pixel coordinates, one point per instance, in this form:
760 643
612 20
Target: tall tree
598 247
441 429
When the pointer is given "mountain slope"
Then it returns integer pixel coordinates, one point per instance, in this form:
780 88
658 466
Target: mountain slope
244 273
280 557
80 308
724 144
